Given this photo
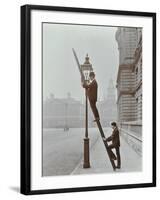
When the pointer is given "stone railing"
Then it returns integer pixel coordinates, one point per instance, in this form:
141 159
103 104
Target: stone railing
132 134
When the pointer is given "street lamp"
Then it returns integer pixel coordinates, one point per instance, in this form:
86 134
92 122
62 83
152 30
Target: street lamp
86 68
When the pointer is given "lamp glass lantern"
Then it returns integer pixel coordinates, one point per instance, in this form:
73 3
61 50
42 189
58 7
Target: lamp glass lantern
86 68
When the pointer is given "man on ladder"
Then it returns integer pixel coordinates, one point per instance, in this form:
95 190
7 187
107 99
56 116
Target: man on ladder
114 138
92 88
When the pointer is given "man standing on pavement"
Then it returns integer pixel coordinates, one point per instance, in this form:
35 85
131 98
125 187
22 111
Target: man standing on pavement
92 88
115 144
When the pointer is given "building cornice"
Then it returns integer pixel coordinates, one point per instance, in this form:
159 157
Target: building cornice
125 92
122 67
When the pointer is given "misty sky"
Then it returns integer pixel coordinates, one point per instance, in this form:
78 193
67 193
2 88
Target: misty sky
60 72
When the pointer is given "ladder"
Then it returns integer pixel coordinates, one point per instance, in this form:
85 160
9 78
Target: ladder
109 152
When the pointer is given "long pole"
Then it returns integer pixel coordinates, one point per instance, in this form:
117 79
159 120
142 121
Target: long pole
86 163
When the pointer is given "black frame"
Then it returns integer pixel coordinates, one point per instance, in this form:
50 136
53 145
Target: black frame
26 96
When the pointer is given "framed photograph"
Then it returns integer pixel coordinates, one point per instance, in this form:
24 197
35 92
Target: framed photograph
88 99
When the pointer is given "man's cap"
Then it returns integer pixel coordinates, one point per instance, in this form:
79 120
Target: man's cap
91 74
113 124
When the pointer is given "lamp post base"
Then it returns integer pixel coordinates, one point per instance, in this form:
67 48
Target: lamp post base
86 163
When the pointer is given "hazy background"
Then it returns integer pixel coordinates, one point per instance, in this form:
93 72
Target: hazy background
60 72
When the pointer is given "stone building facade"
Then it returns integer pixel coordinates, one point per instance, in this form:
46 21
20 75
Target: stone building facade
129 86
63 113
129 78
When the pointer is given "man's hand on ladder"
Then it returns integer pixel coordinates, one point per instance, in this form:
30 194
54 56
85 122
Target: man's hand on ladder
104 139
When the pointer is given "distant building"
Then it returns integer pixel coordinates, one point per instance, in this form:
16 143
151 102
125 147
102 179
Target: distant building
108 107
62 112
129 78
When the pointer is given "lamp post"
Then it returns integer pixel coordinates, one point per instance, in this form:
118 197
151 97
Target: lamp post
86 68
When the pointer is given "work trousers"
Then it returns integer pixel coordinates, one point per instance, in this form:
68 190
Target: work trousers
94 108
117 148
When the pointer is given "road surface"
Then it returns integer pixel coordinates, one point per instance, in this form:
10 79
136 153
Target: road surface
63 150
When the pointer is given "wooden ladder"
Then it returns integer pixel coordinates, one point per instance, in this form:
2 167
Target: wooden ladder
109 152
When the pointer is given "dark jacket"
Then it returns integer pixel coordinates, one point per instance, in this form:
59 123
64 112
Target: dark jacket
92 90
114 138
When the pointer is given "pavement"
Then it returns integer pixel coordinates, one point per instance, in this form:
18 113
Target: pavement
100 163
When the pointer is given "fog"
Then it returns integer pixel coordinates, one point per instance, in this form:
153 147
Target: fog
60 72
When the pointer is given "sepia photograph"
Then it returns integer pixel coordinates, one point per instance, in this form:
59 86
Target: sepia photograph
92 99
